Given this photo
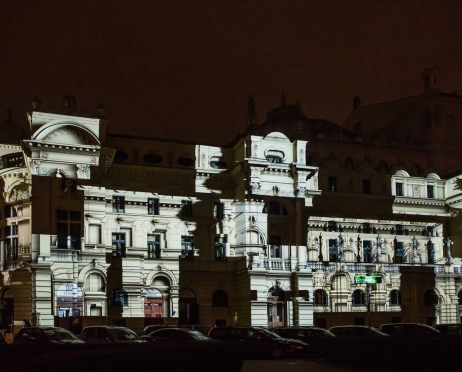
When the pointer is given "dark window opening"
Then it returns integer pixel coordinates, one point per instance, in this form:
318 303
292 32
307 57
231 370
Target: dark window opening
395 297
119 297
358 297
118 245
218 164
430 192
187 247
274 207
153 158
68 229
275 246
220 299
399 189
332 184
274 159
320 297
399 253
154 249
220 248
367 251
333 250
186 208
153 206
118 204
219 210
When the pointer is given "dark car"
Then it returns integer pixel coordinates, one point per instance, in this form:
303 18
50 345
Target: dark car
409 330
316 337
357 331
449 328
45 335
177 336
259 343
151 328
109 334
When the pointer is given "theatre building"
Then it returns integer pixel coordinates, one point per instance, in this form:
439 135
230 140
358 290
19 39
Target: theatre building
269 230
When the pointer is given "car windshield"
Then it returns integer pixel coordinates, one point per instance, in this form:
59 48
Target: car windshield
269 334
124 334
59 334
198 336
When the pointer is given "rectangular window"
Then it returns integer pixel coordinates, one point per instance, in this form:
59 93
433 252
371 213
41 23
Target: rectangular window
118 245
399 189
367 251
118 204
332 184
275 246
366 186
68 229
186 208
333 250
430 194
431 252
154 249
220 248
153 206
94 234
128 236
187 247
399 253
219 211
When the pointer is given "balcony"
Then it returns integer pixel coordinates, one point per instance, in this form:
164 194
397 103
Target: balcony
66 242
276 264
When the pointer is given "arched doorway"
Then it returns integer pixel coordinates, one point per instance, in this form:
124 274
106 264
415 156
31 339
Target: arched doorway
188 308
153 305
276 307
7 310
69 300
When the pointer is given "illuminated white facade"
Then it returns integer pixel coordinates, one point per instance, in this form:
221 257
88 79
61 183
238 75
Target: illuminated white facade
269 231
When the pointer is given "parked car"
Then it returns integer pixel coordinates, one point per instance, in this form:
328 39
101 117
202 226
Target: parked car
409 330
154 327
45 335
357 331
177 336
109 334
449 328
316 337
258 343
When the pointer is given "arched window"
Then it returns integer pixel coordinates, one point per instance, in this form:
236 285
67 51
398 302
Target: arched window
274 207
320 297
358 297
431 298
220 299
119 297
94 283
395 297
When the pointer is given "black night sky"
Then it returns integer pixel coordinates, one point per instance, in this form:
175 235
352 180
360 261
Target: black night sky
184 69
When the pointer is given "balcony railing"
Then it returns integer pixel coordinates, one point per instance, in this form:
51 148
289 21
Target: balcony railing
275 264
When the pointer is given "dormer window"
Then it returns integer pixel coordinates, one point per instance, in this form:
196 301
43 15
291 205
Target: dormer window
275 156
399 189
430 192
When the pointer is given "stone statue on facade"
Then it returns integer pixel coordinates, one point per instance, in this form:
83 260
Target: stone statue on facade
448 244
415 257
341 255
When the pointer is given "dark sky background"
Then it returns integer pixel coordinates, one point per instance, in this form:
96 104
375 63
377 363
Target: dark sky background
184 69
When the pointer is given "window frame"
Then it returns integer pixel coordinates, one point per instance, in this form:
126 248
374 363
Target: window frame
120 239
153 206
118 203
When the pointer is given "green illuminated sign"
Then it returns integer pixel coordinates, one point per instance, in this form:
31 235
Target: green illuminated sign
368 279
